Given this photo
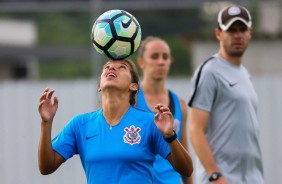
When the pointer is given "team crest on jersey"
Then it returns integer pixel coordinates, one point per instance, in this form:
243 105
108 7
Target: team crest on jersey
132 135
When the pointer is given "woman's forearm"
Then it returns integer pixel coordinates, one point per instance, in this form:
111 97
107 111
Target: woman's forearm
46 155
180 159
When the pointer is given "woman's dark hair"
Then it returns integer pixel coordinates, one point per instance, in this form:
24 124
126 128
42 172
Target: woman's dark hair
135 79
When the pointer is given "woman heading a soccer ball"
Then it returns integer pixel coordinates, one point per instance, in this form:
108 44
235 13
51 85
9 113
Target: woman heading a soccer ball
117 143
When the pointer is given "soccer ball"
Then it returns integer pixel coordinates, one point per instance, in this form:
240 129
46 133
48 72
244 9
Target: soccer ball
116 34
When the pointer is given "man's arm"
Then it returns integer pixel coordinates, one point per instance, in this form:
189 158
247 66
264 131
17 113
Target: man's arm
198 124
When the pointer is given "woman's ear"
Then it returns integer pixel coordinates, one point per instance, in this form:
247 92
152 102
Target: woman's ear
133 87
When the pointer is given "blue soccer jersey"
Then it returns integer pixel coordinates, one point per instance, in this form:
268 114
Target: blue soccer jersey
123 153
164 173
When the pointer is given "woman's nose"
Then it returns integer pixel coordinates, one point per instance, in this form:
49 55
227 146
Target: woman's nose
161 60
111 67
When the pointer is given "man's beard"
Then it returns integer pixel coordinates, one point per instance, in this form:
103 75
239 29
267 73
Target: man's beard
236 53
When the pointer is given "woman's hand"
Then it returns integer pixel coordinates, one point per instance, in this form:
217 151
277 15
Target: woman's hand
47 109
164 120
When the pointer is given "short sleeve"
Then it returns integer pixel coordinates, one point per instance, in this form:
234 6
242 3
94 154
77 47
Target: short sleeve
65 142
161 147
206 90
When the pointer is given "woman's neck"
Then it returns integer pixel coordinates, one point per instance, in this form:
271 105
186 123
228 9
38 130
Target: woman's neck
153 87
114 107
